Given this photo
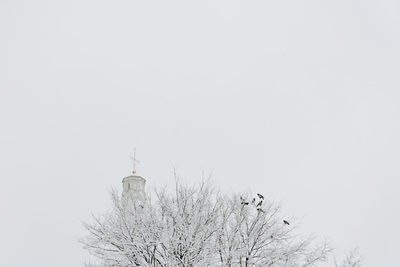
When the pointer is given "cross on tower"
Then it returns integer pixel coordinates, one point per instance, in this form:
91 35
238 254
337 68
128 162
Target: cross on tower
134 161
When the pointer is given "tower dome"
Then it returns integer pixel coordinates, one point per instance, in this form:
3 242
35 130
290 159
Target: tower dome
133 186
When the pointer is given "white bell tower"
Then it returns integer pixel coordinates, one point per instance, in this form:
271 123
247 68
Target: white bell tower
133 186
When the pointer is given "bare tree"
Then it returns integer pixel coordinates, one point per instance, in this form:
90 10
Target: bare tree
196 226
352 258
118 238
178 230
254 234
190 224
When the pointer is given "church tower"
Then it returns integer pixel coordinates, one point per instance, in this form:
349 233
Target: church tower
133 186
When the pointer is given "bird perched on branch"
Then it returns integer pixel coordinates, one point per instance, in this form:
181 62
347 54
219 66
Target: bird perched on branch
243 201
260 196
286 222
259 203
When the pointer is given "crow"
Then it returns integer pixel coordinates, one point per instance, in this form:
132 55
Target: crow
254 200
259 203
260 196
286 222
260 210
245 203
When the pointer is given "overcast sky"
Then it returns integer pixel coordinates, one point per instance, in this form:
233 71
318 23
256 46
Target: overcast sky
298 100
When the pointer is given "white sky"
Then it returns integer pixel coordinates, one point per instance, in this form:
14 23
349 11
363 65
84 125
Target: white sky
298 100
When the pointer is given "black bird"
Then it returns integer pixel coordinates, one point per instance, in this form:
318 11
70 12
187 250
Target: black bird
286 222
253 200
260 210
260 196
245 203
259 204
